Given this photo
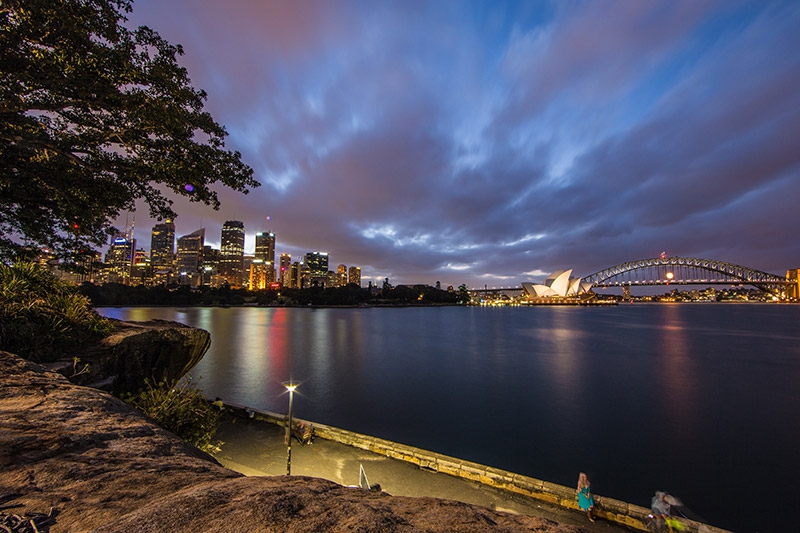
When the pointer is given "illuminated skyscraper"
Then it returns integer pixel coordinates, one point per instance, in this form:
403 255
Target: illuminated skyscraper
341 275
355 276
286 264
231 258
317 263
210 268
119 259
265 251
142 270
258 275
190 258
293 276
162 245
299 276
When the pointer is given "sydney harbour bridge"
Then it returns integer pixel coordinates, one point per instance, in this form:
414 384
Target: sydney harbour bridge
686 271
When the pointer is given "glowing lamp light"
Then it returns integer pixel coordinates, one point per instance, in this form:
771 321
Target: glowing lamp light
291 386
670 275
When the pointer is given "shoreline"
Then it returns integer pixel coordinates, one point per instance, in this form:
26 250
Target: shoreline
531 495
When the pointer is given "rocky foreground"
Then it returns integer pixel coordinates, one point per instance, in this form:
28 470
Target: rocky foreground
74 459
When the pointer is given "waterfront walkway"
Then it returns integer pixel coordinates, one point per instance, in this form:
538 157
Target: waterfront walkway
257 448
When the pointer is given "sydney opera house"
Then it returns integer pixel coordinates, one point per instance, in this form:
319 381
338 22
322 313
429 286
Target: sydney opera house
558 285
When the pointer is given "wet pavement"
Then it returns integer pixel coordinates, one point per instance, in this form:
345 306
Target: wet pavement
257 448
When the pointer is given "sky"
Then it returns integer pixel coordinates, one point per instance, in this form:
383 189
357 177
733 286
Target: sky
493 142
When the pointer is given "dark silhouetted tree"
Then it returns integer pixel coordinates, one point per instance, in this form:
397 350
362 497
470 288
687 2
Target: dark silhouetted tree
93 116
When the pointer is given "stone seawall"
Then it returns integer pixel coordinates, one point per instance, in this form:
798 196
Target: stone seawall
623 513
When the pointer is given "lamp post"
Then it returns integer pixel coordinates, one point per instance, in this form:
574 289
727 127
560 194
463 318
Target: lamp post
290 386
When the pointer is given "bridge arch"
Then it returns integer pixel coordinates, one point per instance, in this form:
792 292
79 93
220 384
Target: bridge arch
686 271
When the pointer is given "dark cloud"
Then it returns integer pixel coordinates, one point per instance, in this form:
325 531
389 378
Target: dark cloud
491 143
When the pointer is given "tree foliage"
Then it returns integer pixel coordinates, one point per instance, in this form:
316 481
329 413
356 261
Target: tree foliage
93 116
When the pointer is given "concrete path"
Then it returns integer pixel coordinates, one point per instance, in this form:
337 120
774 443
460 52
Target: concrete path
257 449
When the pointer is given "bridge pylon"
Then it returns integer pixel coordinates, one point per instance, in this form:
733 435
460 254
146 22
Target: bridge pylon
793 287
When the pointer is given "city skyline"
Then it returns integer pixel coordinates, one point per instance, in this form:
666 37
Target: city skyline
494 143
253 251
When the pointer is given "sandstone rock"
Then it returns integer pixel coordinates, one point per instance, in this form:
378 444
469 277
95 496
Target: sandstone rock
157 349
92 463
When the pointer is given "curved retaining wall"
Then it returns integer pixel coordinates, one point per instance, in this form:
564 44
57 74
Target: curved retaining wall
623 513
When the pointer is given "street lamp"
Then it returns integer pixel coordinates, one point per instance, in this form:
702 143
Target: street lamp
290 386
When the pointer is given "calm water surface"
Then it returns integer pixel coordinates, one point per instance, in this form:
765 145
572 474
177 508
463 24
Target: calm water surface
700 400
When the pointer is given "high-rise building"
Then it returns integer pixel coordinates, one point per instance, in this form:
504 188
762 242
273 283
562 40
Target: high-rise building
142 269
259 271
190 258
286 264
247 260
317 263
119 259
293 276
210 269
332 279
231 253
354 276
162 245
299 276
341 275
265 251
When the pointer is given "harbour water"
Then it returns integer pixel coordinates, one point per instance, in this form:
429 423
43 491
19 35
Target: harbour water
699 400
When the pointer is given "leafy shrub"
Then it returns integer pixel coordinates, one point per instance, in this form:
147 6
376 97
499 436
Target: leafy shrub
42 317
181 409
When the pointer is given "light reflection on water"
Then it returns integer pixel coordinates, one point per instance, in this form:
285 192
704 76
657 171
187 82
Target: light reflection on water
660 397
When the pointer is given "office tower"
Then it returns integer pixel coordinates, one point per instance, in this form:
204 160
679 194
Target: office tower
317 263
265 251
259 271
332 279
190 258
247 260
119 259
341 275
355 276
299 276
293 276
210 268
286 264
231 253
142 269
162 246
211 258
